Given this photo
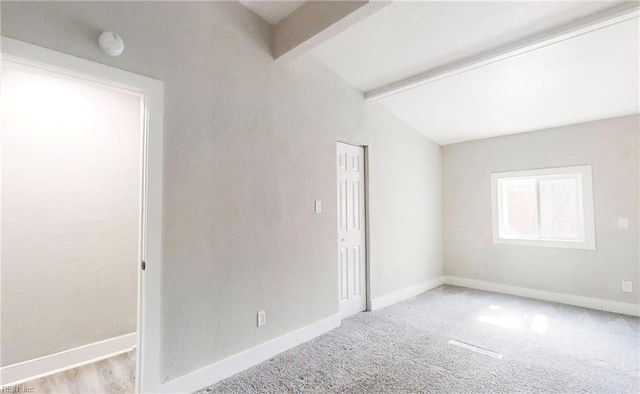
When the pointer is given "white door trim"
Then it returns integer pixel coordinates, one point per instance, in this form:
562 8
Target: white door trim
148 341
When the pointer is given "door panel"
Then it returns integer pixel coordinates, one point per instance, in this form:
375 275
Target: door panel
342 204
344 290
356 271
351 229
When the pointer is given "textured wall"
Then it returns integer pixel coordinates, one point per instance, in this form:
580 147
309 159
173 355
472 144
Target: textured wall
70 213
249 145
610 146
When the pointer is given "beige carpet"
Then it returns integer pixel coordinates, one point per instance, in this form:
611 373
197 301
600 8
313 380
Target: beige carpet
545 348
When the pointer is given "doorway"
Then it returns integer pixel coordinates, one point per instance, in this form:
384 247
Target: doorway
71 209
352 235
81 197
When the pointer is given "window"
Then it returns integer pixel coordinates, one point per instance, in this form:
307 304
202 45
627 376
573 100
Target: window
549 207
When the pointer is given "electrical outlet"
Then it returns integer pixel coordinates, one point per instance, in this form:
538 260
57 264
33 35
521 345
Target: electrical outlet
318 206
627 286
262 318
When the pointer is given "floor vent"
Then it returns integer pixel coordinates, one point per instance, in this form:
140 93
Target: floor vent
475 349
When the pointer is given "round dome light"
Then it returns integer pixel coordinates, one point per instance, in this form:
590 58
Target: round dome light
111 43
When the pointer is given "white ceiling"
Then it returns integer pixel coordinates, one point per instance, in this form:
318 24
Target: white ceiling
406 38
589 77
272 11
594 76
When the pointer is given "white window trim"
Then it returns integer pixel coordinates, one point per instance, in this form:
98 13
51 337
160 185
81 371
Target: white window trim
586 183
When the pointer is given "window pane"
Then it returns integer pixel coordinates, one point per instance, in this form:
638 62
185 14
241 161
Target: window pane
558 209
518 209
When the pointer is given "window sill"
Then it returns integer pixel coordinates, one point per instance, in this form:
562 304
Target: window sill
586 245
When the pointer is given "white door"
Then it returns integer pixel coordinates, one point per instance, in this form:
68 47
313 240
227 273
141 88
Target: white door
351 230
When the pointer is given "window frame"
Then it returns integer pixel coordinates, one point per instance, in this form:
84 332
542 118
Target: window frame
586 222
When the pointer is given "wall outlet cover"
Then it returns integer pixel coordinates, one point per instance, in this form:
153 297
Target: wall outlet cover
318 206
262 318
627 286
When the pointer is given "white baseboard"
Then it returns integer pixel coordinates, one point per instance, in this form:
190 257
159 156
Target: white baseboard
624 308
65 360
403 294
239 362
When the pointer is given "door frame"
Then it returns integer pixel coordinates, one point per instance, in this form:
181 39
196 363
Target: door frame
367 224
149 280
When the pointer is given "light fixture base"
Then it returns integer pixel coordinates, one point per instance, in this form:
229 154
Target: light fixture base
111 43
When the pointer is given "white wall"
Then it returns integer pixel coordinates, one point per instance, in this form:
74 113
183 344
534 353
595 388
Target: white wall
249 145
70 209
610 146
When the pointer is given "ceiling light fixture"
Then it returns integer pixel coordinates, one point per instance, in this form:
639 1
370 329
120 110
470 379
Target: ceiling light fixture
110 43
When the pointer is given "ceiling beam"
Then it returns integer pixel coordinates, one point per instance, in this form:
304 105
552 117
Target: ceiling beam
315 22
609 17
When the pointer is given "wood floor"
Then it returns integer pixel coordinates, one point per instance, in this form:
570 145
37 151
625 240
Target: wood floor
113 375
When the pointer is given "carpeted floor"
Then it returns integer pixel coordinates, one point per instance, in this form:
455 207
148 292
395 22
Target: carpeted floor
405 348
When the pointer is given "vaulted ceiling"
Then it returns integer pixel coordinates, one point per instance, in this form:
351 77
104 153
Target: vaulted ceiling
492 68
272 11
